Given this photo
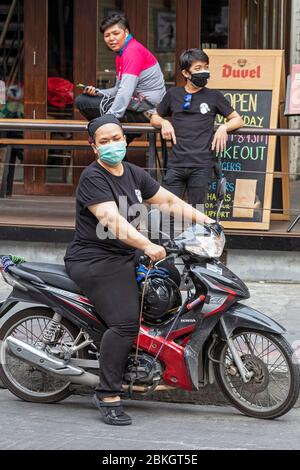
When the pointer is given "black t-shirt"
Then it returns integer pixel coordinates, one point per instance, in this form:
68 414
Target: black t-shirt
97 185
194 127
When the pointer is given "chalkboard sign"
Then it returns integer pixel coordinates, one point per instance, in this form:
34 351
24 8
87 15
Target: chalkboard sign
251 81
244 162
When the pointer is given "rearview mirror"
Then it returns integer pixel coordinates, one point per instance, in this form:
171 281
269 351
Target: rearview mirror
221 189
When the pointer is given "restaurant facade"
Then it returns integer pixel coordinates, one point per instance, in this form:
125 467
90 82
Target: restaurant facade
47 47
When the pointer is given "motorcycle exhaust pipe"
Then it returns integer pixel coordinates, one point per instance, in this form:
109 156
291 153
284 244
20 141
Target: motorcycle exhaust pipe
58 367
52 365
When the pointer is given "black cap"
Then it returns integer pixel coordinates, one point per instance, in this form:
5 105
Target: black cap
94 124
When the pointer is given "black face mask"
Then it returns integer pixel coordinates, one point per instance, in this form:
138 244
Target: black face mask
200 79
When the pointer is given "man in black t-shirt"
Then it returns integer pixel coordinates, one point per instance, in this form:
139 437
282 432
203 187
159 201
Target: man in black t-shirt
101 258
193 109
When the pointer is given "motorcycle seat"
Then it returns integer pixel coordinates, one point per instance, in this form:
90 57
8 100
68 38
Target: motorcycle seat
53 274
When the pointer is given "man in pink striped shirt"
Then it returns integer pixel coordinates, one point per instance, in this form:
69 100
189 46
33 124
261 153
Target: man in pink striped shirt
139 84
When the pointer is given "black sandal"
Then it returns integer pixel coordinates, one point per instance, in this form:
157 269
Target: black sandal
112 412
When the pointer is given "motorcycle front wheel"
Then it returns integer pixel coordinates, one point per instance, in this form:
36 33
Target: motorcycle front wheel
274 386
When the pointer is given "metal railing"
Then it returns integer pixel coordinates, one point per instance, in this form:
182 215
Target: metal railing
66 126
79 126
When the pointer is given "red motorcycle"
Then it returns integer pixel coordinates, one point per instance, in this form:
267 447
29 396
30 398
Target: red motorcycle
50 330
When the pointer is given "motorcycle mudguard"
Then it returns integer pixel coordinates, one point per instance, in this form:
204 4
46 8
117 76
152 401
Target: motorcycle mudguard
194 355
241 316
17 297
19 300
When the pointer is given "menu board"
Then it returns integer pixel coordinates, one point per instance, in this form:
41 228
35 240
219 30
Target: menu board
244 161
251 81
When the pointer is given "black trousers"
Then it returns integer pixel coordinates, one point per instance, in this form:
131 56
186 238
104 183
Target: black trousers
92 107
194 181
110 284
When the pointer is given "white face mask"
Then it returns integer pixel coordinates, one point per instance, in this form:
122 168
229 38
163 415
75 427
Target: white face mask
112 154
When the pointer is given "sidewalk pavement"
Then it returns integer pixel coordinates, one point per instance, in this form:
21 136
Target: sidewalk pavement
75 425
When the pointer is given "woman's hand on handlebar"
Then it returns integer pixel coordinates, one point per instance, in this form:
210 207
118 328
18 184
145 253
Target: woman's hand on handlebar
208 221
155 252
216 228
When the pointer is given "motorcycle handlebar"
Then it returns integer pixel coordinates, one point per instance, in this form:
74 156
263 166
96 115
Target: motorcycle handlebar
9 266
6 262
169 251
24 275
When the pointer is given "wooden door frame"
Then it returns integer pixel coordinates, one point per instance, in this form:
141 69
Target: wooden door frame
84 69
235 24
35 88
188 24
36 97
133 13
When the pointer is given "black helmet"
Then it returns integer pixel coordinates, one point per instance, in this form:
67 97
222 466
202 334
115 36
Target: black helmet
161 299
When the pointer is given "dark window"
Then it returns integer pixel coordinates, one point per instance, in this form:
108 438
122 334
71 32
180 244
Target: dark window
214 24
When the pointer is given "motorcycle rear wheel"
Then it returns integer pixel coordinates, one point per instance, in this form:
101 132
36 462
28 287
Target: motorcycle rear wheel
274 388
22 379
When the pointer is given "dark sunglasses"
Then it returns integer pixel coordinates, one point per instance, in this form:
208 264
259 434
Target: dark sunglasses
187 102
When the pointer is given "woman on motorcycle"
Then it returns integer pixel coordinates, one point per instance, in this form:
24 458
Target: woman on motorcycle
102 257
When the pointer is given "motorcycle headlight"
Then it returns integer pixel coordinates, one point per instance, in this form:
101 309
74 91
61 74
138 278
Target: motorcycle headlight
201 243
